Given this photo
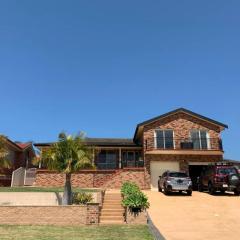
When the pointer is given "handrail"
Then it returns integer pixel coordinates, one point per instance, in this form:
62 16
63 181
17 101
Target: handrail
169 143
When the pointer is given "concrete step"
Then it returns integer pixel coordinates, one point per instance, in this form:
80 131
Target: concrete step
113 200
108 222
116 210
113 208
120 218
110 214
112 203
112 197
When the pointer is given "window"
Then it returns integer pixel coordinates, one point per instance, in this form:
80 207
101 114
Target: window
131 159
200 139
164 139
107 159
178 174
226 171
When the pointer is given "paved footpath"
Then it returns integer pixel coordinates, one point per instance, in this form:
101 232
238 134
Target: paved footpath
199 217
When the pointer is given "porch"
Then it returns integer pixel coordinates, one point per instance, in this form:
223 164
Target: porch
118 158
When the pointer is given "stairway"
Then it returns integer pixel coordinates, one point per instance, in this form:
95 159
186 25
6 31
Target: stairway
112 210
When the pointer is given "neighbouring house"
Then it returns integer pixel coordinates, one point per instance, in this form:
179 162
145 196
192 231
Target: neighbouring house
20 156
179 140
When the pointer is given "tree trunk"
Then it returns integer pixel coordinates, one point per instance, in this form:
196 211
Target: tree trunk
67 195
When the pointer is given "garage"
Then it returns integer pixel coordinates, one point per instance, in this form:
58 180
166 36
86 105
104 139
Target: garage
158 167
195 169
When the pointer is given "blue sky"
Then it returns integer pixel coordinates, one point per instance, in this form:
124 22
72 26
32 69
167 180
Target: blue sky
104 66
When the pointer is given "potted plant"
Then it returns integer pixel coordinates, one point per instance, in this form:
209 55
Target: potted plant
136 201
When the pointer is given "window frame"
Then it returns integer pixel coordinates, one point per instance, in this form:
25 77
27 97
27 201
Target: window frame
200 138
164 139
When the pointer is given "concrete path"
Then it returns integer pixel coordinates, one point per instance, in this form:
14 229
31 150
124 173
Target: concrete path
199 217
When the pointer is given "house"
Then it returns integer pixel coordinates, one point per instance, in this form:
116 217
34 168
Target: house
20 155
179 140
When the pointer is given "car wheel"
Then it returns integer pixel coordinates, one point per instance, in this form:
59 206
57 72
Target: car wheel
236 192
211 189
189 193
166 192
159 188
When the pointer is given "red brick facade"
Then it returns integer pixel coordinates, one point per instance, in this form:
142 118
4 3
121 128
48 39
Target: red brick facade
50 215
181 124
94 179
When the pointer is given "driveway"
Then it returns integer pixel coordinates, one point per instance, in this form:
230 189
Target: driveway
200 216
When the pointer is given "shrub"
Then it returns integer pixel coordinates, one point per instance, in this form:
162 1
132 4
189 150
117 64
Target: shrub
136 200
82 198
129 188
133 197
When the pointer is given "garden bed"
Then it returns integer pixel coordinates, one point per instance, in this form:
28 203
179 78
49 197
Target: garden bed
46 189
135 203
35 196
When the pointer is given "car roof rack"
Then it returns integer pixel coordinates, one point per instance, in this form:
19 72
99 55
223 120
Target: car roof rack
223 164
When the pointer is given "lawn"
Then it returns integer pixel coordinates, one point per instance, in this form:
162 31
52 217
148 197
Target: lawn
110 232
43 189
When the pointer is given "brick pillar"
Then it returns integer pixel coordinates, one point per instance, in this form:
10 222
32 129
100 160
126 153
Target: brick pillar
92 213
183 164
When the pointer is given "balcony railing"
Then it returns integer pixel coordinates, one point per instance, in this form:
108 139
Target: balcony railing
183 144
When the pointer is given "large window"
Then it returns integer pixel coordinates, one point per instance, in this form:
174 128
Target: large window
131 159
200 139
107 159
164 139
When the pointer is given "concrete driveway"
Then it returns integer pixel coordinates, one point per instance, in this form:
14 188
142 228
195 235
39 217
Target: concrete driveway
200 216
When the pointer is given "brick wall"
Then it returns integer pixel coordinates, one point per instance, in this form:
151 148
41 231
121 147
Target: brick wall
93 179
135 217
50 215
181 124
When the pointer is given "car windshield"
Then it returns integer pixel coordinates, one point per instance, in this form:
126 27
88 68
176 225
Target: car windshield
178 174
227 171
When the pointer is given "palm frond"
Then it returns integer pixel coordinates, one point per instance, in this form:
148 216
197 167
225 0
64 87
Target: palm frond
68 155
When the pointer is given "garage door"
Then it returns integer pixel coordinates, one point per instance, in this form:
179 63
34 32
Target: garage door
157 168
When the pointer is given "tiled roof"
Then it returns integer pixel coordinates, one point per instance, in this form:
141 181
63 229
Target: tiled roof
23 145
111 142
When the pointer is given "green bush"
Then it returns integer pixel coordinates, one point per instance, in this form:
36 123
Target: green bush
129 188
136 200
82 197
133 197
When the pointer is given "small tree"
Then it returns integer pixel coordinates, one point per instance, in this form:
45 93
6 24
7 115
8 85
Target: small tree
69 155
4 161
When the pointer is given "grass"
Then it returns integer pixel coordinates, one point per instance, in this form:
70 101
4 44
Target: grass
43 189
133 232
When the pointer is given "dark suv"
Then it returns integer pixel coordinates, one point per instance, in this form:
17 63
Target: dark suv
175 181
220 177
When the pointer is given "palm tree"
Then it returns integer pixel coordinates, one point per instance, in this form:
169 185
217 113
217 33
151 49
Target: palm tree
4 162
70 154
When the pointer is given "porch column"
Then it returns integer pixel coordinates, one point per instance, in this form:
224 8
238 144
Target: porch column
93 155
120 158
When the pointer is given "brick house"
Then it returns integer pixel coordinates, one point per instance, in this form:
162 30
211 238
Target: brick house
179 140
20 155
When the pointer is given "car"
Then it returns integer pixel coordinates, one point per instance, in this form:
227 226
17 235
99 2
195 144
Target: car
219 177
172 181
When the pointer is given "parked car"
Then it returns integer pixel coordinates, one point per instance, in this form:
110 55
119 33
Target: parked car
220 177
175 182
